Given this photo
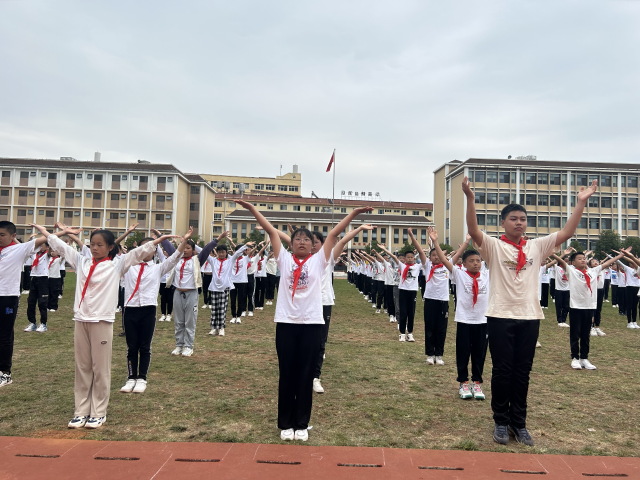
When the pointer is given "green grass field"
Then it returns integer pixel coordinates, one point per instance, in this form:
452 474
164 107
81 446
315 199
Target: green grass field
379 392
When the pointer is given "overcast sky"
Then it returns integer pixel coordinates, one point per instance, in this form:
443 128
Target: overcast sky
397 87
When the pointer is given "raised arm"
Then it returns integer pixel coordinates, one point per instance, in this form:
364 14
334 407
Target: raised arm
384 249
204 253
128 232
472 220
461 250
433 235
264 223
330 242
338 249
423 257
622 253
572 223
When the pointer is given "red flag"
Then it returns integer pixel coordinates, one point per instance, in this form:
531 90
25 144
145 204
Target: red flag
331 161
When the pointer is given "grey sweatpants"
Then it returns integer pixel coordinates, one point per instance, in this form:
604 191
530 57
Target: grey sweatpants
185 316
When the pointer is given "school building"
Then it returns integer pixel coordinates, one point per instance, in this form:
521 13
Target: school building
547 189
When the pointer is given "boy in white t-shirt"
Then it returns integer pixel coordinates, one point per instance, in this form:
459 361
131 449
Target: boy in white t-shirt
562 293
472 284
583 282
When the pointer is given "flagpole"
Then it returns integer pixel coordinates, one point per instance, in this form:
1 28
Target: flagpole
333 207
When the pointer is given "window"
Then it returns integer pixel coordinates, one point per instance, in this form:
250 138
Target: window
403 212
492 198
383 235
480 218
134 196
4 193
113 216
531 221
194 207
365 236
89 194
543 200
95 214
594 223
632 182
504 177
543 222
554 200
115 196
124 177
554 222
614 179
543 179
231 204
554 179
42 193
530 199
564 179
283 207
22 213
480 176
217 204
123 196
296 208
405 235
471 176
530 178
24 174
416 212
167 216
594 201
97 178
480 198
135 177
624 224
343 210
293 188
40 212
317 209
162 180
492 220
193 223
605 181
53 176
583 181
573 200
307 208
78 194
582 223
492 177
244 230
633 224
269 206
4 211
259 186
194 190
159 217
448 204
97 196
396 235
68 214
234 230
142 217
22 193
30 211
217 217
87 214
143 179
89 176
606 224
282 188
270 187
623 202
448 184
160 198
115 178
594 177
632 203
380 211
123 215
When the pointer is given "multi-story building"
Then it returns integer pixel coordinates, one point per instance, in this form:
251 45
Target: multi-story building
547 189
104 195
289 184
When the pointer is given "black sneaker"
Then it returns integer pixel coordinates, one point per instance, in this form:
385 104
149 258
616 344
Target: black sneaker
501 434
522 435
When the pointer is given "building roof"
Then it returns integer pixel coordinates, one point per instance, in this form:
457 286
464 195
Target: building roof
327 201
533 164
50 163
317 217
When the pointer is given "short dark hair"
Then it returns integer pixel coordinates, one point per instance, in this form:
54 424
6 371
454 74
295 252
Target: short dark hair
469 253
512 207
145 240
220 248
431 251
110 239
574 255
318 235
407 253
304 231
8 226
591 260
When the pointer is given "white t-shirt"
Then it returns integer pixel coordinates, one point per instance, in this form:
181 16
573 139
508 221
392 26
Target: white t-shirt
221 272
544 275
562 282
261 266
54 267
515 296
466 311
389 273
411 282
306 305
632 277
187 281
206 268
438 287
607 274
239 270
327 285
272 266
622 277
581 297
614 277
601 277
42 269
12 260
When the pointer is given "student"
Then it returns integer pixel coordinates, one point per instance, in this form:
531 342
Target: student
299 320
544 286
622 292
239 293
26 273
552 283
55 281
472 285
632 286
514 313
252 268
13 256
408 287
562 294
63 275
397 276
94 313
261 277
607 283
583 281
597 315
166 292
614 286
388 283
221 284
39 290
206 281
272 270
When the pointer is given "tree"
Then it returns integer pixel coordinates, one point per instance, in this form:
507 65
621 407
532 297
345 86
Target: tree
577 245
255 236
374 246
134 237
406 248
632 242
446 248
607 241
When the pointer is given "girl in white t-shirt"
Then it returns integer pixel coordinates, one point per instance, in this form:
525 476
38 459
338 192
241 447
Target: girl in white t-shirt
299 319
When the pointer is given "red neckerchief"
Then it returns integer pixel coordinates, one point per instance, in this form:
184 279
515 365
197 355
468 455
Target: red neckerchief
297 272
587 279
433 268
238 264
260 264
138 282
522 258
52 260
221 262
86 282
37 259
406 270
249 265
475 287
10 245
184 261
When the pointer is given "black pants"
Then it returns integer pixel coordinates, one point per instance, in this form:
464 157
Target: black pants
388 297
8 312
26 278
562 305
632 304
251 285
513 345
379 287
140 323
38 294
552 287
367 286
63 274
607 282
55 289
436 320
471 341
614 294
271 286
297 347
544 298
622 300
238 298
326 314
121 297
597 313
407 310
579 332
261 285
206 281
166 299
455 296
422 283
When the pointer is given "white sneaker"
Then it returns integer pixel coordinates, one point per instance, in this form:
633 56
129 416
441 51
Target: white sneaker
600 332
233 320
25 292
238 320
128 387
410 337
32 328
118 310
96 422
204 306
431 360
214 331
187 352
607 301
141 386
210 307
586 364
366 297
286 434
41 328
378 311
391 319
5 379
317 386
464 391
78 422
177 351
221 332
593 332
302 435
563 324
629 325
554 300
439 361
243 314
168 319
403 338
59 296
373 306
575 364
251 314
162 317
635 325
51 310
